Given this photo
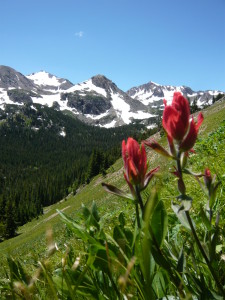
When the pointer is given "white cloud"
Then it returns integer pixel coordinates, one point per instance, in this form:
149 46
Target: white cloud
79 34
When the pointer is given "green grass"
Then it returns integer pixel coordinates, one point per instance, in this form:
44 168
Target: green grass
30 245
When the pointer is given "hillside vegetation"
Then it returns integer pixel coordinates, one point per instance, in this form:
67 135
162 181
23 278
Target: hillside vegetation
45 155
30 246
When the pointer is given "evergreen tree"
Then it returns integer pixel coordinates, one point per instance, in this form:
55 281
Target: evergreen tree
194 106
10 224
37 167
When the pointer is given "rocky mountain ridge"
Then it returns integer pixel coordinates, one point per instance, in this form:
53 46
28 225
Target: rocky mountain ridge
96 101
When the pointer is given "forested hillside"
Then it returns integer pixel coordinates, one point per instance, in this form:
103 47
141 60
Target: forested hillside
101 228
46 154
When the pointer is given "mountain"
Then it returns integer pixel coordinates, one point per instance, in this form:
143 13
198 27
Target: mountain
48 82
152 94
10 78
99 101
96 101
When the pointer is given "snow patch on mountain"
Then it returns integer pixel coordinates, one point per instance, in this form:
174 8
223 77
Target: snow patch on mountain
49 100
97 117
124 111
109 125
97 101
44 78
46 99
4 99
87 86
168 94
49 82
121 107
151 93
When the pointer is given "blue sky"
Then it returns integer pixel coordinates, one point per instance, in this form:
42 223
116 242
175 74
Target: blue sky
132 42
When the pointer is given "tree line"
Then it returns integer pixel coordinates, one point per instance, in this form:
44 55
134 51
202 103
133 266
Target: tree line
39 166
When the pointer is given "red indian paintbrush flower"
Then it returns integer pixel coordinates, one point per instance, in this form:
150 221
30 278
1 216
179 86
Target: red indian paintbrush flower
176 122
176 117
135 164
190 139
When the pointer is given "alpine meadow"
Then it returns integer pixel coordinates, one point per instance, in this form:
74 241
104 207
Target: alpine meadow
112 150
97 203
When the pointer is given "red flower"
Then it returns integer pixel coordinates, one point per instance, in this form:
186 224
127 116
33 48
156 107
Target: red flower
135 164
177 125
207 178
176 117
191 137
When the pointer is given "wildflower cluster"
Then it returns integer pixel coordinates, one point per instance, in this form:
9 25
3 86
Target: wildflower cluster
182 132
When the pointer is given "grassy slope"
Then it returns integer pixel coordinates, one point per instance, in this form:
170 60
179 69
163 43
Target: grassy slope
30 244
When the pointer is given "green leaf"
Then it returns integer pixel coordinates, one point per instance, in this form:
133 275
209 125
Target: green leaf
180 263
122 219
144 257
114 190
143 245
159 284
159 223
205 219
78 229
51 285
213 194
186 202
160 259
90 218
86 212
150 206
94 211
181 215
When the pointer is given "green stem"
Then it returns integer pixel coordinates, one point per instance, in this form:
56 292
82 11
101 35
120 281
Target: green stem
173 277
137 215
179 169
140 201
219 285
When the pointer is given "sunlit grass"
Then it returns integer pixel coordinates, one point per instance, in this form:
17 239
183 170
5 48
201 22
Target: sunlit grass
30 244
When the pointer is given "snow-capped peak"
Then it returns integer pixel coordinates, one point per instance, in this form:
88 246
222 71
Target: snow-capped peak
44 78
152 92
47 81
97 101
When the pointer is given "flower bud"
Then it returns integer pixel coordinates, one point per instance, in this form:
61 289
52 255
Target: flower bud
135 164
177 124
207 178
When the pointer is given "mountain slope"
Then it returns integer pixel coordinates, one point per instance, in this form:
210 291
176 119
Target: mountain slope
30 244
117 107
153 94
10 78
96 101
44 153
